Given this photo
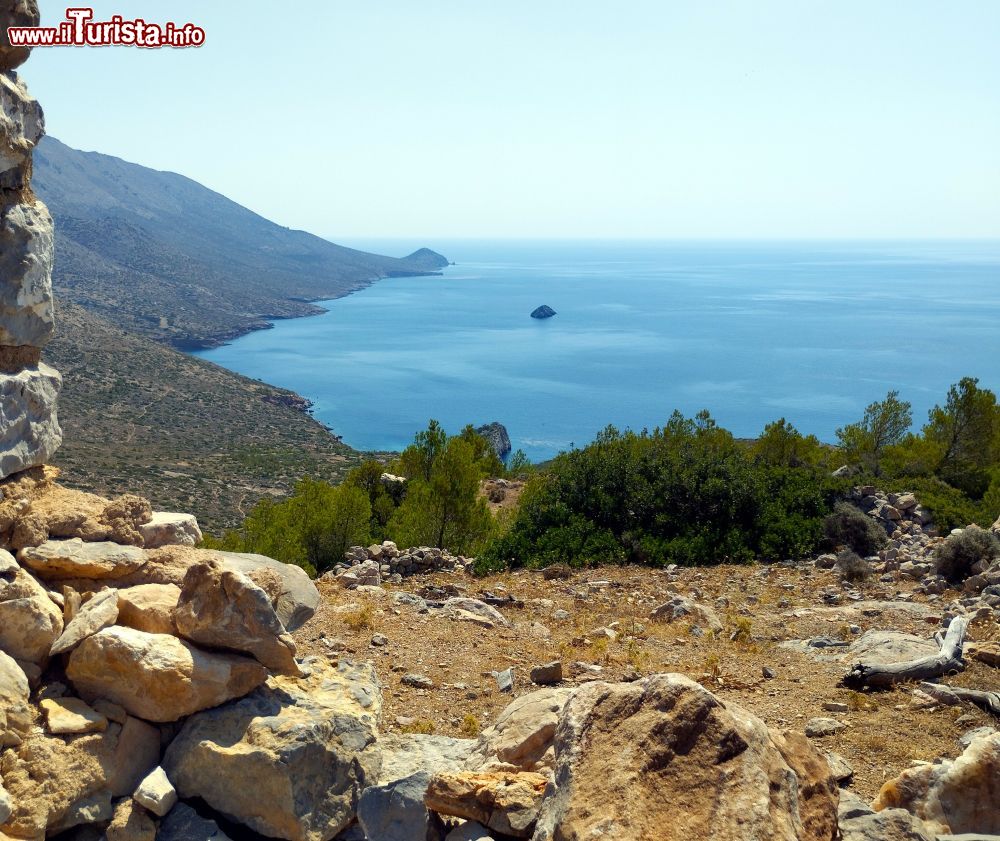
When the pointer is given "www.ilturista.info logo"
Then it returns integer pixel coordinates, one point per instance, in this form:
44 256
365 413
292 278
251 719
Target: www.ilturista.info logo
81 30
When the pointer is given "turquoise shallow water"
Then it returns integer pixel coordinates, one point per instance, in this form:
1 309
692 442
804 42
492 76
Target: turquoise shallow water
809 331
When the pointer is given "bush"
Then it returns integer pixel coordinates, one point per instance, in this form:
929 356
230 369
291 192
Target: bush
852 567
961 552
849 526
688 493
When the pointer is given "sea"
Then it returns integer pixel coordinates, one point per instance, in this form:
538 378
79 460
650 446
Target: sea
752 331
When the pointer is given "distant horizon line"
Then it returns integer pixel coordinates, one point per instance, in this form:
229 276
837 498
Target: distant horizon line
735 239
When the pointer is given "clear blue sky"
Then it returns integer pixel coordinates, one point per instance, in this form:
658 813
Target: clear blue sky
534 118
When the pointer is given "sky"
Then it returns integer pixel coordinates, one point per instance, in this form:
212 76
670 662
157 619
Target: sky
755 119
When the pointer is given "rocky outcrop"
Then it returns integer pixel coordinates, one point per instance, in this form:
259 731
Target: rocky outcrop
29 428
952 796
496 434
544 311
308 746
693 767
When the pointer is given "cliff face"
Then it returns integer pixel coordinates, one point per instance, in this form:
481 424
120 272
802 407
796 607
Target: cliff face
29 429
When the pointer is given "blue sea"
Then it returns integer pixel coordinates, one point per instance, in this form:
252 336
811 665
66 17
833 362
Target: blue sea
812 332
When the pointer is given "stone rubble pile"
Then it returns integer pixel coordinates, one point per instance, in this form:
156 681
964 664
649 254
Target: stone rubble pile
384 560
29 428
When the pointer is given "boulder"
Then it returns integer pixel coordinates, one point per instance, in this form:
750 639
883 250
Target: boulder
15 13
26 253
692 767
71 716
404 754
30 622
15 714
29 428
504 801
149 607
308 745
185 824
474 610
167 528
952 796
884 647
156 793
995 528
681 609
223 608
6 807
396 812
859 822
293 594
156 676
99 612
56 784
522 734
57 560
469 831
21 127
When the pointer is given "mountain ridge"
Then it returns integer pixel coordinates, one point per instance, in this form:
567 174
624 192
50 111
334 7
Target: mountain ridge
164 256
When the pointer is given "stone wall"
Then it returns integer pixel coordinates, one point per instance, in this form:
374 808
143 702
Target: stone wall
29 428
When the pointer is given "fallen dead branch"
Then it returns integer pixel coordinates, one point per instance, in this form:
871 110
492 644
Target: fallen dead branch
989 701
946 661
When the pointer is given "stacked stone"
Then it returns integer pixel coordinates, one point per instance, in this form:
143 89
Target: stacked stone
406 562
898 513
29 428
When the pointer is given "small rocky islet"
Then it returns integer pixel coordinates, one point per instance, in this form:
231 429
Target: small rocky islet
544 311
153 690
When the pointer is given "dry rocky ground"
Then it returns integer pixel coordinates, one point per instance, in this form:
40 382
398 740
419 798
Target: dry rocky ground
760 608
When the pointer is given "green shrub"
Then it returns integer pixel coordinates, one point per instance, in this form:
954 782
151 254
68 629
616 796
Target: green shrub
849 526
688 493
961 552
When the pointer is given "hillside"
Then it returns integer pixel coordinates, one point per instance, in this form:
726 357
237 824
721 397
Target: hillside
185 433
161 255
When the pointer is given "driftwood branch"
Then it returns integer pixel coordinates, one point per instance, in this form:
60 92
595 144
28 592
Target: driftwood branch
989 701
946 661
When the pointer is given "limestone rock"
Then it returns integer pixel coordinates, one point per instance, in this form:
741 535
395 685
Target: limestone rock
15 714
156 793
29 428
158 677
26 253
681 609
223 608
522 734
29 620
149 607
884 647
463 608
817 728
167 528
859 822
98 613
70 716
396 812
404 754
308 745
504 801
57 560
15 13
185 824
692 766
294 596
954 796
56 784
21 127
131 823
124 516
6 806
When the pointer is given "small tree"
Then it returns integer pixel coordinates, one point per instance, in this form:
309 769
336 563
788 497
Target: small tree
884 423
965 433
